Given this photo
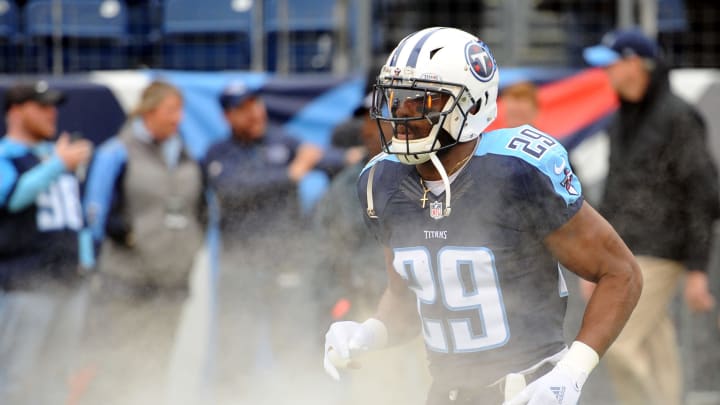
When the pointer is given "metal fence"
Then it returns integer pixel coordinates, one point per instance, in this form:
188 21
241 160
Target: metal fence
340 36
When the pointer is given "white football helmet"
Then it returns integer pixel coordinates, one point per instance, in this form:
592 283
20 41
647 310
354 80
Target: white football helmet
445 76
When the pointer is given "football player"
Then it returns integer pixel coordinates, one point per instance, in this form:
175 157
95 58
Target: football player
475 227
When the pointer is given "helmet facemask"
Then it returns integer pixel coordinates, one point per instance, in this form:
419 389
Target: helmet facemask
417 112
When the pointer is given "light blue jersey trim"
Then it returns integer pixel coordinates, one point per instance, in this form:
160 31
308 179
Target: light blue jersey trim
86 249
8 176
33 182
379 157
539 150
107 165
9 149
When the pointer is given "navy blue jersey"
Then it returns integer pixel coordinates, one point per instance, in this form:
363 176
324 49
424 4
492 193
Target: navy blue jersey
39 224
490 295
252 184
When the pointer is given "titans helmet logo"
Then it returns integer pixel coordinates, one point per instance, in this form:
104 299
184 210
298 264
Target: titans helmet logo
481 61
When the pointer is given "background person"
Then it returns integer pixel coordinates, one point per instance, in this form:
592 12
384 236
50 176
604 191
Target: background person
254 174
661 195
521 104
42 295
144 201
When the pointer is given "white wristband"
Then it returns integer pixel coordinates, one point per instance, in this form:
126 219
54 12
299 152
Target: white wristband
379 333
580 357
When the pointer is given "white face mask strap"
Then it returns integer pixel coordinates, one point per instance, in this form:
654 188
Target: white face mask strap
443 174
369 194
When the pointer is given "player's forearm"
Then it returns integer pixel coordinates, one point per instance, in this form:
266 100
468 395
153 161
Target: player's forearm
397 312
590 247
610 306
307 157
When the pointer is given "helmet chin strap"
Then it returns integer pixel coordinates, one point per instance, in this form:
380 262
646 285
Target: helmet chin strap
413 160
446 181
399 146
438 166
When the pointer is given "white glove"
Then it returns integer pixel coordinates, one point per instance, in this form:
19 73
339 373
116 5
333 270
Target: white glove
346 339
562 385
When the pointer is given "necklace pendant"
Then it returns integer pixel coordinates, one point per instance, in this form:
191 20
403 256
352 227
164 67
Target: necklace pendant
426 190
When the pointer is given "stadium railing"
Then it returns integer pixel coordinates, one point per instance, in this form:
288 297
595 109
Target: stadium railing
94 33
214 35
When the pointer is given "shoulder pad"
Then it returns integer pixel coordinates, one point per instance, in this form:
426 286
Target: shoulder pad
540 150
385 171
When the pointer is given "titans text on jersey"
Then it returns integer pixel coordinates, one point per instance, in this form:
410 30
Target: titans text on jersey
516 189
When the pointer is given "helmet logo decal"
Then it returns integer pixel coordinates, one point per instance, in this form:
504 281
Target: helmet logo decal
481 61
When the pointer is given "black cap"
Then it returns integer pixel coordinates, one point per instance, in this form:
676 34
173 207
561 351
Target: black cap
235 93
39 92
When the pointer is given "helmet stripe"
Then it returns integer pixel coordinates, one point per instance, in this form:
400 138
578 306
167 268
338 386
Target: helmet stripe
412 60
396 54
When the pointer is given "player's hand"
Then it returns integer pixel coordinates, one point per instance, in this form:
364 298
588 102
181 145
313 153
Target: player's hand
346 339
337 347
697 292
307 157
561 386
72 153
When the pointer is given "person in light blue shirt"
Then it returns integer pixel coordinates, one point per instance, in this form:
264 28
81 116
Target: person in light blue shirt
42 294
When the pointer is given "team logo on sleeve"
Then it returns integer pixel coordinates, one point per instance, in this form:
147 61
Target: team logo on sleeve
481 61
567 182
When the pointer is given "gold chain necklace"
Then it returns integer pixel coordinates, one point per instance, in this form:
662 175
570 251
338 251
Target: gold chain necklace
426 190
459 164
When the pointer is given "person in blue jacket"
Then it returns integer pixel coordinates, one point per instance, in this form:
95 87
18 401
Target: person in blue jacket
255 174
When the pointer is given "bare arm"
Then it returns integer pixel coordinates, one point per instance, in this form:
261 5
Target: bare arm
589 247
397 306
307 157
697 291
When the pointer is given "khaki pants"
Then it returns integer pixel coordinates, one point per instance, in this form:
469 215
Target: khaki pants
644 362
